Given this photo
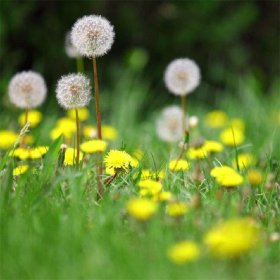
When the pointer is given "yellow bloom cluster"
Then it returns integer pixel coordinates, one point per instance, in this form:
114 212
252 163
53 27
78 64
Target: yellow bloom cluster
34 118
244 161
29 153
232 136
232 238
177 209
21 169
255 177
108 132
117 160
83 114
7 138
65 127
94 146
226 176
151 174
179 165
216 119
70 156
149 187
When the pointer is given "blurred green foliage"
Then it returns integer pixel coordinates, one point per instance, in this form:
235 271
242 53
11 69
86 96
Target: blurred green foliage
226 38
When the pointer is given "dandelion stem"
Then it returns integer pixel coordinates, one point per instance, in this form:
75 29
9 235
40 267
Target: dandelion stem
184 109
80 64
78 136
98 121
26 117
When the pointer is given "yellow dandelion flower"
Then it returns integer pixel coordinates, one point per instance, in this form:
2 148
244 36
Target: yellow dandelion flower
213 146
226 176
34 118
163 196
7 139
117 160
141 209
149 187
232 238
94 146
89 131
183 252
244 161
28 139
59 131
177 209
21 169
151 174
216 119
232 137
255 177
20 153
237 123
197 153
82 112
109 132
70 156
179 165
38 152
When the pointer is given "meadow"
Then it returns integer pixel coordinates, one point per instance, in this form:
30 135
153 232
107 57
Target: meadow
154 219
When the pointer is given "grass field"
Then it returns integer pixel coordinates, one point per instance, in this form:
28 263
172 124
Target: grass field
52 226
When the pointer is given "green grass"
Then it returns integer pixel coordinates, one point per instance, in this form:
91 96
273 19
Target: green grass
53 228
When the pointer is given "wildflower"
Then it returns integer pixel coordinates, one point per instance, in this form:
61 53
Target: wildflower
232 137
149 187
7 138
34 118
19 170
20 153
193 121
65 127
255 177
179 165
163 196
216 119
109 132
27 90
141 209
89 131
183 252
177 209
237 123
70 156
213 146
38 152
73 91
197 152
83 114
232 238
117 160
151 174
226 176
94 146
244 160
169 124
70 49
92 36
182 76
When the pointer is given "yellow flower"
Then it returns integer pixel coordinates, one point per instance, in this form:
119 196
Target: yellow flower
89 131
141 209
149 187
213 146
70 156
109 132
197 153
34 117
138 154
183 252
65 127
237 123
163 196
82 112
177 209
216 119
226 176
244 160
38 152
151 174
116 159
255 177
179 165
94 146
232 238
232 137
20 153
7 139
21 169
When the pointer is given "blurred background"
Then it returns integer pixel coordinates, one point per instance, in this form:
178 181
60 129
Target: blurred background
228 39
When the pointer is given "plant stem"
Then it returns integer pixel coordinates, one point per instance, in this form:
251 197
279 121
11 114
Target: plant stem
78 136
184 109
26 117
80 64
99 133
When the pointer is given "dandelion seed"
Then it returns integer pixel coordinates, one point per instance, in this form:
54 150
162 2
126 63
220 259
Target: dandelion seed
70 49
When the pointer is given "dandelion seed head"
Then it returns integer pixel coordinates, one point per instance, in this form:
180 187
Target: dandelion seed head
73 91
169 124
92 36
182 76
70 49
27 90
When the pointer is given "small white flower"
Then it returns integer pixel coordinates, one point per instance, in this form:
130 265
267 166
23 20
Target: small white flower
169 124
92 36
182 76
73 91
70 49
27 90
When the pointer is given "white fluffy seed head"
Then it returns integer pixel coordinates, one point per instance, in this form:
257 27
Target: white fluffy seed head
73 91
27 90
169 124
70 49
92 36
182 76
